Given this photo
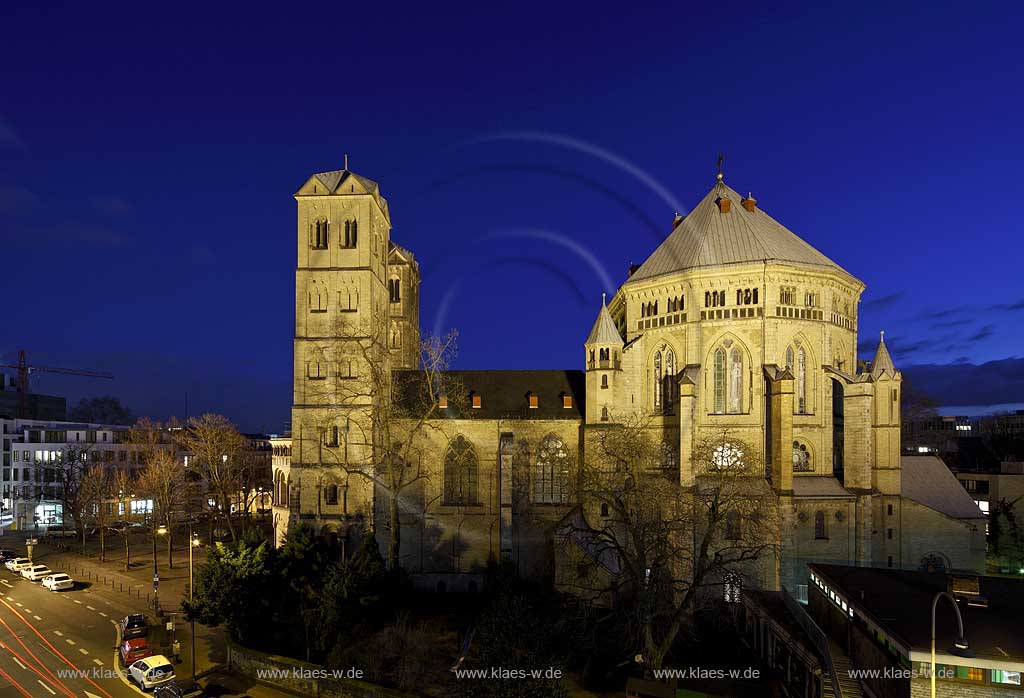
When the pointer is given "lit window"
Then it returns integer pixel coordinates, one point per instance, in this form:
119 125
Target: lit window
476 401
442 402
534 401
567 401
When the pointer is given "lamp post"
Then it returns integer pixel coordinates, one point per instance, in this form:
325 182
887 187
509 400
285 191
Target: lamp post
960 648
161 530
193 542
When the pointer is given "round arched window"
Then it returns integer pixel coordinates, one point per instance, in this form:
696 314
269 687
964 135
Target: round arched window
801 458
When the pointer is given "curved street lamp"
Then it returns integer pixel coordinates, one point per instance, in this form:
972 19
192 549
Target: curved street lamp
960 648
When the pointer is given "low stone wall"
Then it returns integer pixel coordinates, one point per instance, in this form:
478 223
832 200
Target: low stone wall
302 678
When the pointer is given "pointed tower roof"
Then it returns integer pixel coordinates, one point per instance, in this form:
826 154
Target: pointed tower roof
883 362
728 228
604 330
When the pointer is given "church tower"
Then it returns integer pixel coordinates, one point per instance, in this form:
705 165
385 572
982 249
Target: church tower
342 339
604 367
886 424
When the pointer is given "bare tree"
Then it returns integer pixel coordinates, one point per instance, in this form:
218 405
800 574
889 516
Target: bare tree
98 485
217 449
668 544
165 481
124 484
385 436
69 471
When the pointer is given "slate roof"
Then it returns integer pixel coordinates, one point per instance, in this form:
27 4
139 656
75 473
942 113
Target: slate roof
818 486
503 394
900 601
604 330
882 362
333 179
928 480
709 238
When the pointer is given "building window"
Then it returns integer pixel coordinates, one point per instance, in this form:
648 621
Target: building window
732 525
888 509
567 402
669 457
394 290
787 295
801 458
351 238
317 297
319 235
888 533
889 561
820 531
719 380
460 473
604 414
732 587
396 338
604 381
442 402
331 495
657 380
604 509
796 362
475 400
533 401
736 381
552 472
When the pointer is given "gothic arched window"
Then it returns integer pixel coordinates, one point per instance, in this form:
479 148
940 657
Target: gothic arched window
668 456
801 381
351 238
551 481
461 473
331 494
669 380
394 289
801 458
736 381
719 380
604 414
657 379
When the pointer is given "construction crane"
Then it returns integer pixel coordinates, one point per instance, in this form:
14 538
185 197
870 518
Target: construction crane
25 370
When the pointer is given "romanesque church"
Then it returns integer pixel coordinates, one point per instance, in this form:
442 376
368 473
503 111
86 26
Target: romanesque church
733 324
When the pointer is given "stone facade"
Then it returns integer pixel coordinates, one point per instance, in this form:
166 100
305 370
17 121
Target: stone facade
734 325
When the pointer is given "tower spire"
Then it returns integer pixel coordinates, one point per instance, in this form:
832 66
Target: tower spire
721 159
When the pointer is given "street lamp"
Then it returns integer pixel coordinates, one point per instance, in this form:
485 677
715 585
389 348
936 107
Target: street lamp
193 542
160 530
960 648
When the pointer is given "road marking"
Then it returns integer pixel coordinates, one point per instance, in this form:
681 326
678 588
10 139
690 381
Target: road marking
70 641
83 650
28 610
10 598
103 614
19 663
37 617
97 662
77 601
52 692
18 603
58 633
90 607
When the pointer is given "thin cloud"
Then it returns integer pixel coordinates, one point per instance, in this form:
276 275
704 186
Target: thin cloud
95 235
984 333
883 302
16 199
962 383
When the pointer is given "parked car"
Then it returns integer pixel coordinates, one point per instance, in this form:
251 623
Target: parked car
35 572
59 581
180 689
58 532
133 650
7 554
17 564
151 672
134 625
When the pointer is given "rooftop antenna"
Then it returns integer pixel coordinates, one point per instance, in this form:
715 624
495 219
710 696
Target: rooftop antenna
721 159
346 161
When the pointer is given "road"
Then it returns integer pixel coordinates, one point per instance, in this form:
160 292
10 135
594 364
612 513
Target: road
59 644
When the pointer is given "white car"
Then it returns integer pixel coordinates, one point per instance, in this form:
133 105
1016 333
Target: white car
35 572
151 671
56 582
17 564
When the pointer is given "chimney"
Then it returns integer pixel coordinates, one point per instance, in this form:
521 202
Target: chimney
749 203
723 204
676 220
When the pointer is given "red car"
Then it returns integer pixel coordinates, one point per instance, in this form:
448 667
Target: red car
135 649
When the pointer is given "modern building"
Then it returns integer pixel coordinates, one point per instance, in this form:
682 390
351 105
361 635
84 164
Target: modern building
33 453
733 325
39 406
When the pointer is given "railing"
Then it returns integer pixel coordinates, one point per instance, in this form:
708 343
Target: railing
817 637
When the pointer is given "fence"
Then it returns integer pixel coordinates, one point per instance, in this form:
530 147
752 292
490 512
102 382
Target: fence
116 584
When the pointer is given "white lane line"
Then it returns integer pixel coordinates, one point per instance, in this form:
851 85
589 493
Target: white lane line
58 633
52 692
9 598
19 663
77 601
90 607
70 641
103 614
37 617
83 651
28 610
19 604
97 662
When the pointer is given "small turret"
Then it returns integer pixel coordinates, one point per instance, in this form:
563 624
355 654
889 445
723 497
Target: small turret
604 362
882 362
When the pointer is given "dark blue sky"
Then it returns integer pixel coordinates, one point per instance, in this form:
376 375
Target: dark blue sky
148 155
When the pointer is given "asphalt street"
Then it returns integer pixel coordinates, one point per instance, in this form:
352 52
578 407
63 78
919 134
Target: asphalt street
59 643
